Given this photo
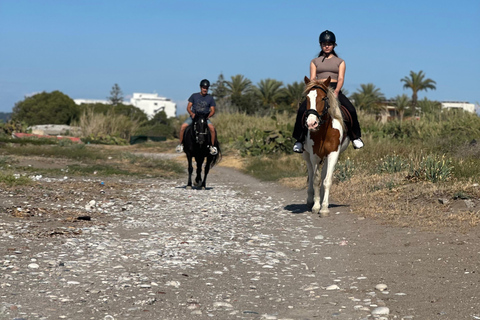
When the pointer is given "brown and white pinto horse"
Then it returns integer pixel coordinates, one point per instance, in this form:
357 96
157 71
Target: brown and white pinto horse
326 139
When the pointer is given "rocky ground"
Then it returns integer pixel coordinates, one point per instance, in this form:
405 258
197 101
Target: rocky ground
73 248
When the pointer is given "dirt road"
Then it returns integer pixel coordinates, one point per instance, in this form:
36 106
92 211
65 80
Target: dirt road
242 249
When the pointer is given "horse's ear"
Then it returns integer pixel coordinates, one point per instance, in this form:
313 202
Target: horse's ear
306 80
327 82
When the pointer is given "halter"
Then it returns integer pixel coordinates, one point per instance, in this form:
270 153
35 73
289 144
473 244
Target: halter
325 107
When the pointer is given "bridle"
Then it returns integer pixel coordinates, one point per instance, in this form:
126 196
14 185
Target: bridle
325 107
200 136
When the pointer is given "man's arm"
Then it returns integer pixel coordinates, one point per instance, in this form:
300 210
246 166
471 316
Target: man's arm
189 110
212 112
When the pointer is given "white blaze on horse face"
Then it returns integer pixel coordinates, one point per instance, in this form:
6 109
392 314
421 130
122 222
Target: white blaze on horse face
312 120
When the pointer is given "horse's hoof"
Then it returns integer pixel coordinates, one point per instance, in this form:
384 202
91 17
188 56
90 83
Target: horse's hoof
324 214
188 187
315 209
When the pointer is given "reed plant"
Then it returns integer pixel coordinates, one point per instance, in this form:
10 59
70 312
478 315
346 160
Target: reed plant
231 126
103 126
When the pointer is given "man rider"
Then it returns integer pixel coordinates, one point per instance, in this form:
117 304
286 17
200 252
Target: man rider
202 103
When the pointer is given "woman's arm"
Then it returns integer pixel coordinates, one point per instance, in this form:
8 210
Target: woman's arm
341 77
313 71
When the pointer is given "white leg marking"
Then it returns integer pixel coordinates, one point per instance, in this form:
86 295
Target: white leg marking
312 95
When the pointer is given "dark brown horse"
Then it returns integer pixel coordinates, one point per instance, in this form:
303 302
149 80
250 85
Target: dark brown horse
326 139
196 141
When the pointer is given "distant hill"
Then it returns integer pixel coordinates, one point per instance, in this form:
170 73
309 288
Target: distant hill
5 116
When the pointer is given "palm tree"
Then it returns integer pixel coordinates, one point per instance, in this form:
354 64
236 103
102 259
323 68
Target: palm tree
294 94
401 102
269 91
238 85
368 97
417 82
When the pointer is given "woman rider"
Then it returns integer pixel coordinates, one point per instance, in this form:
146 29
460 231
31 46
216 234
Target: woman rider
328 64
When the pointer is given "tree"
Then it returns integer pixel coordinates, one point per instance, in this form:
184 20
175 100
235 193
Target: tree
132 112
269 91
401 103
429 107
294 94
368 98
417 82
219 89
46 108
116 95
238 85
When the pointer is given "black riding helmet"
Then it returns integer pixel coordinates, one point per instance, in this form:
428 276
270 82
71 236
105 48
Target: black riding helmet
205 83
327 36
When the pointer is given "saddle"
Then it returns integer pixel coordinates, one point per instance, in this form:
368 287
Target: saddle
347 119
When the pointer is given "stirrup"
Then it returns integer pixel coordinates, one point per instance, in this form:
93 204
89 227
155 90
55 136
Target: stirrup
298 147
213 150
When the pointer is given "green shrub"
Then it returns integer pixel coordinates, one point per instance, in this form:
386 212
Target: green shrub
344 170
393 163
432 168
12 179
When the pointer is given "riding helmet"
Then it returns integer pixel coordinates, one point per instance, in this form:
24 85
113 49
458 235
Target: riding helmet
205 83
327 36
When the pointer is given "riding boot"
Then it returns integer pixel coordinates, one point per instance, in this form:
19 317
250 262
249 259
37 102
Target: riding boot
299 132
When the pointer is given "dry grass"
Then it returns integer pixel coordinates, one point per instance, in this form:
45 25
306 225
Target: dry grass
398 202
95 124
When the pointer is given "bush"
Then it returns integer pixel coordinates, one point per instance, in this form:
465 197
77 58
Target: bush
393 163
344 170
107 129
432 168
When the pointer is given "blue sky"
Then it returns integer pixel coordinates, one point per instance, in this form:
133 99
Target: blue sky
83 47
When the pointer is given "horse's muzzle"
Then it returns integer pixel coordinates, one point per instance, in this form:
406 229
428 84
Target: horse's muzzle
313 123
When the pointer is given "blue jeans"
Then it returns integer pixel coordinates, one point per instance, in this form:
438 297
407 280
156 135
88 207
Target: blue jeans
189 121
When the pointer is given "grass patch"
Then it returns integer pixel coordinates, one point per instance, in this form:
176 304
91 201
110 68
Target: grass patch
274 169
76 151
100 169
12 179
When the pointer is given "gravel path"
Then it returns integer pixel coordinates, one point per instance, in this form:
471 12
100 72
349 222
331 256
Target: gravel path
241 249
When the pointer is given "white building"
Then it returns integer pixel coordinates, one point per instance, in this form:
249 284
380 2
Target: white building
92 101
470 107
150 103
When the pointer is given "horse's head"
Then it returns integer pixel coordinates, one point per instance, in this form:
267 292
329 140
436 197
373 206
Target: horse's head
317 102
200 128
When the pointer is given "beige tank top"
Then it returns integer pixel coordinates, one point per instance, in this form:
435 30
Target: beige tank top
327 67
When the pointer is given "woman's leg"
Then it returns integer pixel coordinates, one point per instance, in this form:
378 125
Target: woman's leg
355 132
298 130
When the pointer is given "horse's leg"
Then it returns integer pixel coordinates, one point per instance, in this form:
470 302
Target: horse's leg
207 170
198 178
327 179
317 180
308 161
190 171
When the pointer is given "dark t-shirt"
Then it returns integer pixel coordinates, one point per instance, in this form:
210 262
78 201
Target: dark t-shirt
201 104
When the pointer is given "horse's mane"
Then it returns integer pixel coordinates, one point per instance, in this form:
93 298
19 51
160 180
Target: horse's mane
333 102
